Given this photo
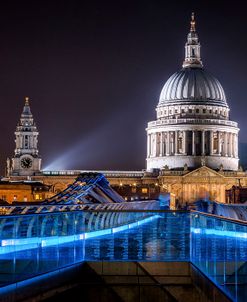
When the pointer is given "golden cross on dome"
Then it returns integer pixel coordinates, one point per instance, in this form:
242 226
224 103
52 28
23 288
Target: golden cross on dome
192 23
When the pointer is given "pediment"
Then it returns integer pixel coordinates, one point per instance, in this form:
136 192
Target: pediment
203 172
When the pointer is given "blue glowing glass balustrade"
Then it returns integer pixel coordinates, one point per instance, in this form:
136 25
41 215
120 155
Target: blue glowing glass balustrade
219 250
31 245
35 244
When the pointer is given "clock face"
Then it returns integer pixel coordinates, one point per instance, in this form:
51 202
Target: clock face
26 162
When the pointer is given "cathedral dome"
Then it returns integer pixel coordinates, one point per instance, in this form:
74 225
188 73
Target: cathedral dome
192 85
192 126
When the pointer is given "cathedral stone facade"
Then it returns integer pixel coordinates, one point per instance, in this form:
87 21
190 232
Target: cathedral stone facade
192 146
26 160
192 126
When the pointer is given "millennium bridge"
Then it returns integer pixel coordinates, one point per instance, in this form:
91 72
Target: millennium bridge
85 225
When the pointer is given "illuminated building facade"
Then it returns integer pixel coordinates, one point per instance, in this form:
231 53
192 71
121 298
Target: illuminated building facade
192 147
24 191
192 126
26 160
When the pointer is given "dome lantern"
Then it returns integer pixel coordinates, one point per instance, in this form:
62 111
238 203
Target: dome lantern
192 47
192 84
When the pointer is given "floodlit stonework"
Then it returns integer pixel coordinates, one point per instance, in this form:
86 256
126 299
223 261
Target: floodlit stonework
192 146
26 160
192 125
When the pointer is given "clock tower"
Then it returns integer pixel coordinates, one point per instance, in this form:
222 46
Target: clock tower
26 160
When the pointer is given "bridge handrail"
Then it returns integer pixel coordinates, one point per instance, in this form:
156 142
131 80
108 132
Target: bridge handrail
242 222
51 208
106 173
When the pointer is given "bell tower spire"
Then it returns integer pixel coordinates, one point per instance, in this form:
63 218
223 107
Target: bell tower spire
26 160
192 47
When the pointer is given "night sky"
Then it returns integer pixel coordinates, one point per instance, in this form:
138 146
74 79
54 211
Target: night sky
94 72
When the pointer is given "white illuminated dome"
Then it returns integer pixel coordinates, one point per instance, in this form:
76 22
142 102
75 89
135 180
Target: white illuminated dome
192 126
192 86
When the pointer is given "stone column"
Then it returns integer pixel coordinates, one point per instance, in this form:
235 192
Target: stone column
233 145
148 145
153 144
193 143
230 145
226 144
176 143
171 142
167 143
203 142
184 142
156 145
211 142
219 148
36 142
32 142
236 145
161 143
164 144
18 142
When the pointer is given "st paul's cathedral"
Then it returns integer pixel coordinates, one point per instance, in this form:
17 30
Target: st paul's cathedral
192 146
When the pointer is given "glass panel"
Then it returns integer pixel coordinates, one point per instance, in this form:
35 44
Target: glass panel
219 250
35 244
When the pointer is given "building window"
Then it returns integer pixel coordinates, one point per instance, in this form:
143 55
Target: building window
210 111
25 198
144 190
170 111
204 110
37 196
182 110
133 189
190 110
176 111
197 111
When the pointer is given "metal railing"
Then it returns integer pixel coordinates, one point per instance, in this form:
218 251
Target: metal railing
106 173
49 241
46 208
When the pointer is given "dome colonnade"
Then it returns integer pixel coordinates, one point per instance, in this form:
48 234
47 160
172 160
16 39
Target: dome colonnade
192 125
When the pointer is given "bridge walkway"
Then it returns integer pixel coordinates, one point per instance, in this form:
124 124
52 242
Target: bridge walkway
35 245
